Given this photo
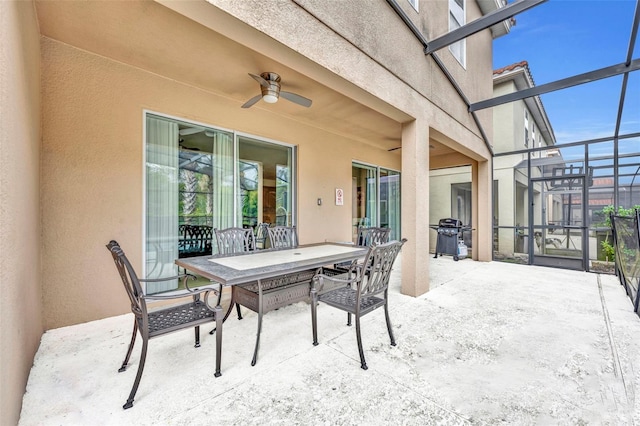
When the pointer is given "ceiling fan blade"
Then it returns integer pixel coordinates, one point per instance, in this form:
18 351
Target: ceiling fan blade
262 81
300 100
252 101
190 131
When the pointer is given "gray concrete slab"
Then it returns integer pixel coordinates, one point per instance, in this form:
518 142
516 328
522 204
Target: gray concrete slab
491 343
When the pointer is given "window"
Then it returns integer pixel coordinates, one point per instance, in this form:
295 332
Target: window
390 202
461 207
414 4
533 135
365 190
375 199
526 128
461 202
456 20
199 178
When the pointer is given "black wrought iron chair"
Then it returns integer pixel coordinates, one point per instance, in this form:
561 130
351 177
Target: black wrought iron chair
363 290
195 240
262 236
281 237
165 320
372 235
235 240
232 241
367 236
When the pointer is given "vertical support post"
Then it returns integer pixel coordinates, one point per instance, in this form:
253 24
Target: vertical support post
415 207
530 209
481 212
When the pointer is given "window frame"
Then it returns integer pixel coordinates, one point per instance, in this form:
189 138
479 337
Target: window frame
526 128
457 13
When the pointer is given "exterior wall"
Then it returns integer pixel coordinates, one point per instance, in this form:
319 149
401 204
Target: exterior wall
20 243
504 116
92 172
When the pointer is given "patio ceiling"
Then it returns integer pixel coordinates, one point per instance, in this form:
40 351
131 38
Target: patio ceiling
180 49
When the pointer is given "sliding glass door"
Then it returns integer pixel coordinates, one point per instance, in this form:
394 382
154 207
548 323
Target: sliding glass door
390 202
265 187
162 171
200 178
376 199
365 206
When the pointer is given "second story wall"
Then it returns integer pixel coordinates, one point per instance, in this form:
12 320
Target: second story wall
366 43
521 124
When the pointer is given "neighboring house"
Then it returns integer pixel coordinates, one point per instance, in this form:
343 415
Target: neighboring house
124 120
516 126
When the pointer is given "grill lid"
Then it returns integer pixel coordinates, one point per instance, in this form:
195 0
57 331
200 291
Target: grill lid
450 223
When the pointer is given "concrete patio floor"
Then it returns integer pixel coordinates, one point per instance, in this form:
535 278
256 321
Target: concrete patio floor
491 343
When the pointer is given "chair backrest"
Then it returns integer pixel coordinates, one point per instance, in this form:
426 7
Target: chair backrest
372 235
262 235
379 262
235 240
129 279
195 240
283 237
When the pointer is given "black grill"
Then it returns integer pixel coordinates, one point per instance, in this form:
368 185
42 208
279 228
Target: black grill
449 227
450 237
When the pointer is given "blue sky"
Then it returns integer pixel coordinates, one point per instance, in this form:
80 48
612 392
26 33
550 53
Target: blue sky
562 38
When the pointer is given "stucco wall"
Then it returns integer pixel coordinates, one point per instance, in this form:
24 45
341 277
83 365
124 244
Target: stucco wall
20 297
389 61
503 121
93 171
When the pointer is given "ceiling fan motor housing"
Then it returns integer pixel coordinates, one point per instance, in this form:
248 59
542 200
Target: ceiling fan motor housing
274 84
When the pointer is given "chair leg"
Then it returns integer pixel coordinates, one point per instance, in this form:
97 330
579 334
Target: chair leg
219 321
197 330
136 383
386 316
363 363
349 319
133 340
238 309
314 315
255 351
229 310
260 308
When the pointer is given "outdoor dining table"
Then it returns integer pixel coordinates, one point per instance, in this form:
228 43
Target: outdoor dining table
259 265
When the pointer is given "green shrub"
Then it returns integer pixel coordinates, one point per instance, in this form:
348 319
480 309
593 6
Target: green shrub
607 246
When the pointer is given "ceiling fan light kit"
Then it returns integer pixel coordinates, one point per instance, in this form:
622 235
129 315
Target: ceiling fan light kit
270 91
270 98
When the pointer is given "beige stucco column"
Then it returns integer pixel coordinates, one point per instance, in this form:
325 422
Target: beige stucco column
415 207
482 223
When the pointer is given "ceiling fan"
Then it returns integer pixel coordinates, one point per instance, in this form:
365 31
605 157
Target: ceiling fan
270 88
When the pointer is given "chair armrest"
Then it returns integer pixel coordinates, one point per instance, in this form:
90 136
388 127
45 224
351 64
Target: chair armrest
188 290
157 280
318 280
